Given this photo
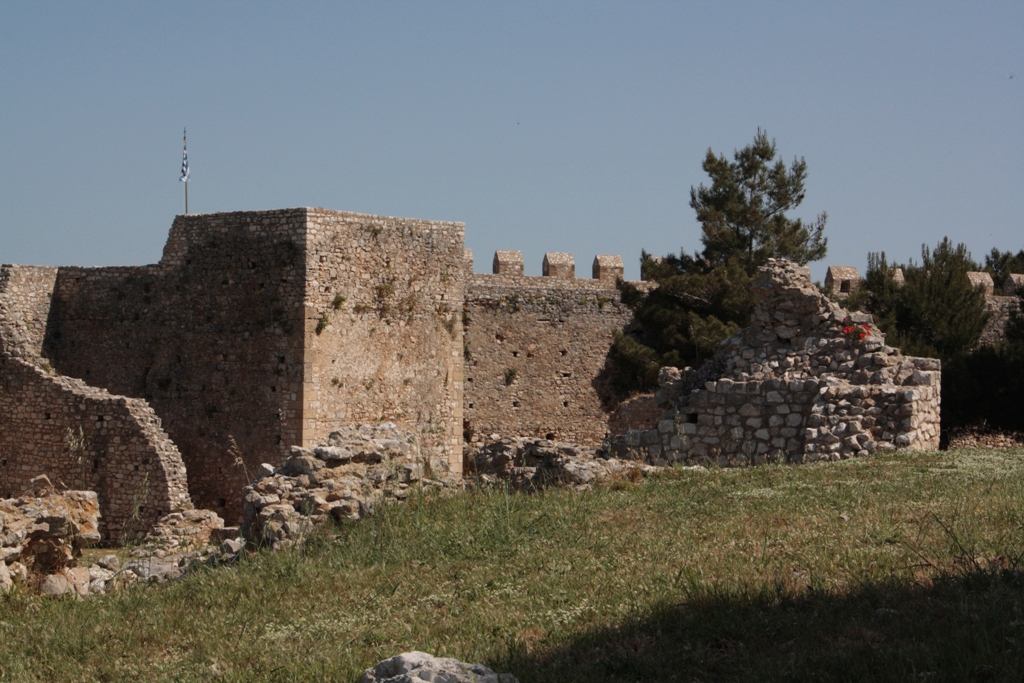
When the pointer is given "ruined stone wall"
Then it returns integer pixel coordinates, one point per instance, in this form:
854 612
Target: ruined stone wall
211 337
998 309
25 293
535 348
383 327
86 438
806 381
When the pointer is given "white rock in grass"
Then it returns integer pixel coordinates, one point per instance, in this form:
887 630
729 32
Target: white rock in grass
417 667
5 579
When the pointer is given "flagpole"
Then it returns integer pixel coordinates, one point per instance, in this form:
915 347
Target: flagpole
184 166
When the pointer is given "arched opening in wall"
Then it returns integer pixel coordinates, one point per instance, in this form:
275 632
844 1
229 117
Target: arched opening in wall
844 286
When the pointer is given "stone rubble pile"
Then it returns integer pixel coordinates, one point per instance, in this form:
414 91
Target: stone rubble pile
805 381
417 667
345 479
978 438
43 532
529 464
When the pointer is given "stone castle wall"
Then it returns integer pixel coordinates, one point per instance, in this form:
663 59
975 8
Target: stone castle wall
211 337
806 381
86 438
258 331
383 328
535 348
25 293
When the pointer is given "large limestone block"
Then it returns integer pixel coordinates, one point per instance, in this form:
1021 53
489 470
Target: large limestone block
417 667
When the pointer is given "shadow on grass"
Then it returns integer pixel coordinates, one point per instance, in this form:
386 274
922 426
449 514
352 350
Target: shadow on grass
966 627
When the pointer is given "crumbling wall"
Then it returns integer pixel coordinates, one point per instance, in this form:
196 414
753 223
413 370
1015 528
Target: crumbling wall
805 381
85 438
383 327
534 350
211 337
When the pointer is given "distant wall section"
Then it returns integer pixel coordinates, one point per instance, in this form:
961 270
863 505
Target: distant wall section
534 350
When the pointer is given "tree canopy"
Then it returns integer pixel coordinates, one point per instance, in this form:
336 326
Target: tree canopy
937 312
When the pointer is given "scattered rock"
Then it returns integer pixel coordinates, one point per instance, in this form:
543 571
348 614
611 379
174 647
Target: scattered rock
535 463
417 667
344 479
6 580
43 532
55 586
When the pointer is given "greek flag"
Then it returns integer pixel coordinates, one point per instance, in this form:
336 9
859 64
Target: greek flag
184 160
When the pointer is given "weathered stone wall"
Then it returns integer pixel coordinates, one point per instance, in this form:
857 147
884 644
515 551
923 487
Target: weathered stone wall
262 330
25 293
998 309
805 381
535 347
212 337
85 438
383 327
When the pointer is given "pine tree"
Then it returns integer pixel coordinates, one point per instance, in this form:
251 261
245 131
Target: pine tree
704 298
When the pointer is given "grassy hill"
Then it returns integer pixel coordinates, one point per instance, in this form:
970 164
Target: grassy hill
895 567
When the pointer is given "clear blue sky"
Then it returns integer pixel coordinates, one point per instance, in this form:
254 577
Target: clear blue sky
546 126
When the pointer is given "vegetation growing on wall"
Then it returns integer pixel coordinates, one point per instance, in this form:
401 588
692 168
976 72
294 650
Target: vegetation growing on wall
704 298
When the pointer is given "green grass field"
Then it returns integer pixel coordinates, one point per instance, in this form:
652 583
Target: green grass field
899 567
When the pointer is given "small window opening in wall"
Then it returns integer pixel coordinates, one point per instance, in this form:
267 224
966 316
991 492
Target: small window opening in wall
273 389
278 441
566 374
222 502
550 436
188 262
515 354
691 418
469 379
99 418
3 463
46 416
252 265
95 464
500 337
224 282
470 405
136 468
529 355
565 404
86 373
515 404
563 352
280 359
177 359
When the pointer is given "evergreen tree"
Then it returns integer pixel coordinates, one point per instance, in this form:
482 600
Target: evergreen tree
1001 263
937 312
704 298
743 213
